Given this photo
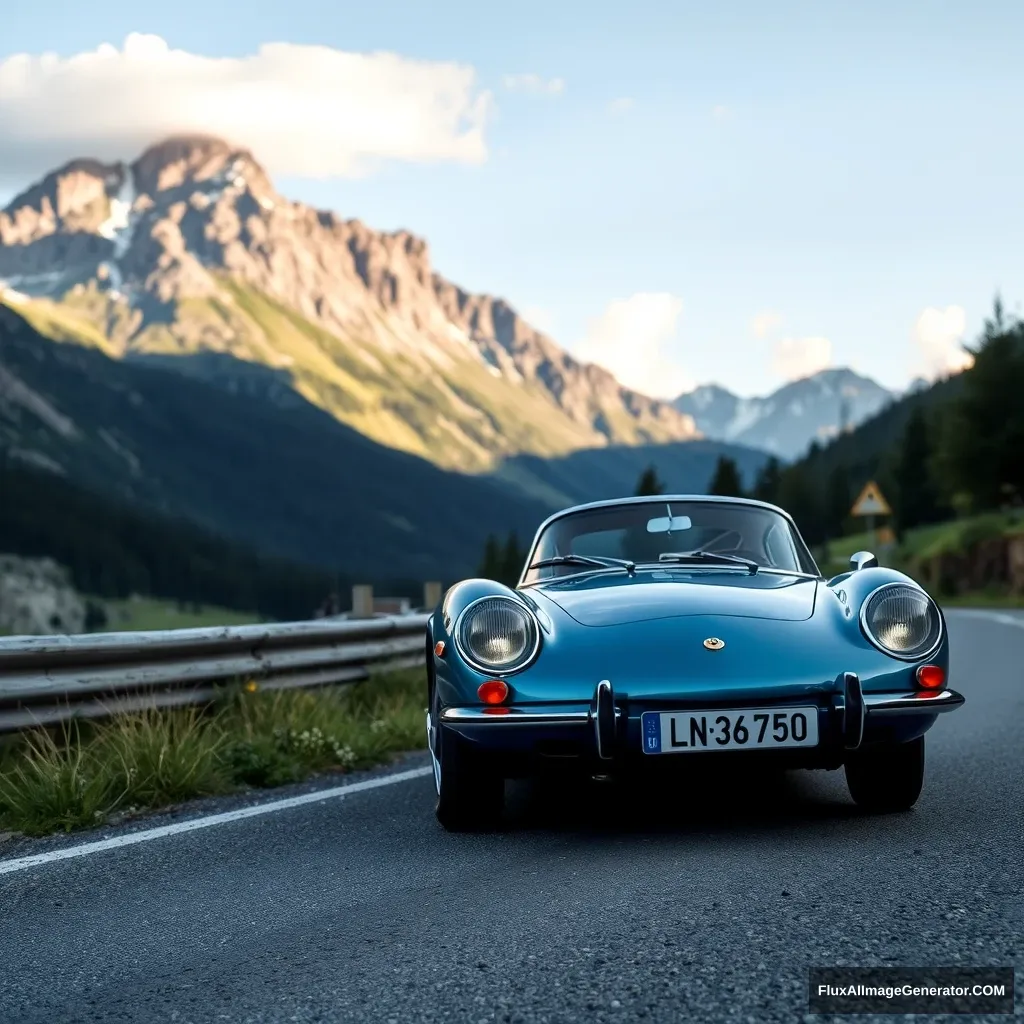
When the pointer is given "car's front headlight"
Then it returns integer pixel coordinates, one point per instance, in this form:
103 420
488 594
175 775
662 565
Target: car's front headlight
902 620
497 634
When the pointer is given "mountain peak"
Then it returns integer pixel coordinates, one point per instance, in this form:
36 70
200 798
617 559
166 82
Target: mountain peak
185 143
182 160
190 250
784 422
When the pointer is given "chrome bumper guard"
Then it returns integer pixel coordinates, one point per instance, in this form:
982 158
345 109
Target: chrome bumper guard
854 711
517 716
856 708
914 704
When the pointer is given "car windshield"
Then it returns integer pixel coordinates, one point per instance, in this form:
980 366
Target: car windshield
644 532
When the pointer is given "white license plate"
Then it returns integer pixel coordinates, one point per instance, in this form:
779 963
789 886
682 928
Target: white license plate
684 732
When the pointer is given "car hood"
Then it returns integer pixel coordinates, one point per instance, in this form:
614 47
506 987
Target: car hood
614 600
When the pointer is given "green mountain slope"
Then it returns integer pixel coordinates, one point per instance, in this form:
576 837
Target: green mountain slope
283 476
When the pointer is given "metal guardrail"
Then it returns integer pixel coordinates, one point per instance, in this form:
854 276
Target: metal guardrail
50 679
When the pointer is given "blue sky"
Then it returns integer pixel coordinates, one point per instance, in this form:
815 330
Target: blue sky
847 174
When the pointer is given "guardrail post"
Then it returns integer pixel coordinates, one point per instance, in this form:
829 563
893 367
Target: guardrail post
431 595
362 601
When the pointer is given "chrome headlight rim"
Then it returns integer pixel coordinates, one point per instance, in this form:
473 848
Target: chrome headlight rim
489 670
899 655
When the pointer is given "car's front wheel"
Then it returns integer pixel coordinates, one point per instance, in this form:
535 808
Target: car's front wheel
887 777
470 794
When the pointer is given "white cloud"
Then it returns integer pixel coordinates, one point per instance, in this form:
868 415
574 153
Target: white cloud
795 358
720 112
938 334
304 110
630 339
620 105
534 84
765 322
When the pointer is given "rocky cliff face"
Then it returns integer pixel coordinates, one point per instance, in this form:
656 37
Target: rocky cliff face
190 250
36 598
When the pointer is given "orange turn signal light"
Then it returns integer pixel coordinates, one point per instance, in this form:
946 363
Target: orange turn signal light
931 677
494 691
439 648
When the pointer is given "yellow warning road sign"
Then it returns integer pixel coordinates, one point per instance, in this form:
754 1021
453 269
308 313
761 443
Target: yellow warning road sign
871 502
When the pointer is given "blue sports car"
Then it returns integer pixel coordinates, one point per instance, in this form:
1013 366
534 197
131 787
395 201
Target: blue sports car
648 631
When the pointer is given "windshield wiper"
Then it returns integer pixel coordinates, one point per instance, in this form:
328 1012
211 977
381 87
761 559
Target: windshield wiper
708 556
598 561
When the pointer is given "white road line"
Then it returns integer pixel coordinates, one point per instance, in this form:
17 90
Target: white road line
131 838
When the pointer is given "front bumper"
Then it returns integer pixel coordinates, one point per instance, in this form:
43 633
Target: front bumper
609 728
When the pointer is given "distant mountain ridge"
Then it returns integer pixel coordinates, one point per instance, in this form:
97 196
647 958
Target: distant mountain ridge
190 250
785 422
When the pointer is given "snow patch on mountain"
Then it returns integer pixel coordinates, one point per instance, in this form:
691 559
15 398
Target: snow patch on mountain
119 220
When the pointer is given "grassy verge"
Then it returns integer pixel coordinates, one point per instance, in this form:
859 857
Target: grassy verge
85 774
152 613
918 545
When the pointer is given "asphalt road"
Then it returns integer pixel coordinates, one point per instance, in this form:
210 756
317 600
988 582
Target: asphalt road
711 908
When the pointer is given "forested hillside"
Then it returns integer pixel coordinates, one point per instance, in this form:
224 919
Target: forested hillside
955 448
114 550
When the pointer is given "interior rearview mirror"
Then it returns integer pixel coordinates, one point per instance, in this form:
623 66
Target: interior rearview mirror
664 524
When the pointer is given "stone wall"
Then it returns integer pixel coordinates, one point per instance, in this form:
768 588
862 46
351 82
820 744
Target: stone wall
36 598
996 563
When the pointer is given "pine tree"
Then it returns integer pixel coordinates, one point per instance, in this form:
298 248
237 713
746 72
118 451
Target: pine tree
917 496
649 482
726 480
982 447
838 501
799 496
768 481
491 565
511 561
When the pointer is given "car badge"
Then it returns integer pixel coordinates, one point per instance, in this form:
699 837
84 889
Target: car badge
714 644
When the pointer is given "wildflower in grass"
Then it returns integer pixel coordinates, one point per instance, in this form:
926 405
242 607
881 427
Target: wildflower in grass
345 756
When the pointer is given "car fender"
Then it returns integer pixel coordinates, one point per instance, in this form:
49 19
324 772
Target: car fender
457 682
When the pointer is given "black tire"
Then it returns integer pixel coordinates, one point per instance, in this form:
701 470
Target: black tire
470 794
888 777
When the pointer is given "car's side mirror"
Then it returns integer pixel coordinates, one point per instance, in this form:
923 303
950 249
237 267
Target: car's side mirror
863 560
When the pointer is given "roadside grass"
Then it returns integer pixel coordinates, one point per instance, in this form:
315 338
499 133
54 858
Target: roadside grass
53 785
138 613
81 775
923 543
